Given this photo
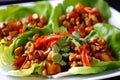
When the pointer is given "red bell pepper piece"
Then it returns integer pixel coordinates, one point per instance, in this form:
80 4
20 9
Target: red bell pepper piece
26 59
40 53
57 33
67 34
79 9
21 31
40 24
88 9
73 14
46 39
30 18
18 62
85 59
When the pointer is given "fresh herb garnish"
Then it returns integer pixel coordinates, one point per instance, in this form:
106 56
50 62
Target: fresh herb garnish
55 48
62 50
65 49
58 59
63 42
76 39
65 54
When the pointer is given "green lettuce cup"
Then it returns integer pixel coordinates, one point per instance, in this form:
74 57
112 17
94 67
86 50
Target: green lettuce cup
110 34
69 5
17 19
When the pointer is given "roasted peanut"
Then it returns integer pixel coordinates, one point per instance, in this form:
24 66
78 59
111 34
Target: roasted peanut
94 19
72 21
29 47
43 19
95 10
66 24
35 16
18 51
51 55
78 5
88 29
31 57
13 33
35 37
44 72
61 19
27 65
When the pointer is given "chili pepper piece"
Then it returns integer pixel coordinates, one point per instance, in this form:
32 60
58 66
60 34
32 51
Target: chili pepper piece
88 9
73 14
40 24
40 53
79 9
18 62
21 31
85 59
46 39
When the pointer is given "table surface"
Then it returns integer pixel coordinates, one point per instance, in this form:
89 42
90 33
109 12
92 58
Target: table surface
113 3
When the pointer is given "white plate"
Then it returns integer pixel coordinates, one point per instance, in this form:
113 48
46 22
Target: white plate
115 20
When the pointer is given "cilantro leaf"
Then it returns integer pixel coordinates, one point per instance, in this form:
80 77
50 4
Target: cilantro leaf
62 62
75 42
57 58
83 41
55 48
65 49
76 34
65 54
63 41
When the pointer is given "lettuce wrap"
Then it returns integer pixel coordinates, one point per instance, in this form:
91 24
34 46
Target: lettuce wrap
16 19
19 12
7 57
62 9
110 34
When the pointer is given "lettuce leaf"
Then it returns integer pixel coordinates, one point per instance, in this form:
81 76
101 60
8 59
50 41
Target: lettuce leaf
11 12
26 72
86 70
21 40
61 9
110 34
102 6
109 65
6 58
57 11
15 11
